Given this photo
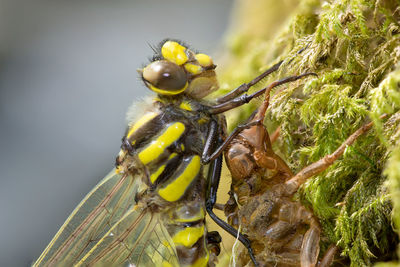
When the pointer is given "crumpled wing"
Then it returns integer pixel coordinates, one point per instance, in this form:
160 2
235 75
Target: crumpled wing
138 239
104 206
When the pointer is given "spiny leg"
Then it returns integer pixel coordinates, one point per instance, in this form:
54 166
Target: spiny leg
207 158
245 98
213 178
246 86
255 120
213 182
317 167
214 240
266 158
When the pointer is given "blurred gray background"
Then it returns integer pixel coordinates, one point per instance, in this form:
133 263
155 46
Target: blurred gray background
67 77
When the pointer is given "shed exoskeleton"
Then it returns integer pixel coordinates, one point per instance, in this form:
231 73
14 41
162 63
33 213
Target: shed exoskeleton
282 231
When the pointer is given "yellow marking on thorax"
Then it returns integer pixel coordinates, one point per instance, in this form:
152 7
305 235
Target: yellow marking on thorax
142 121
201 262
177 188
196 217
157 147
193 69
186 106
174 52
188 236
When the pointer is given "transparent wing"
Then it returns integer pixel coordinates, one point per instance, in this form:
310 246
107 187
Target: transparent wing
102 208
138 239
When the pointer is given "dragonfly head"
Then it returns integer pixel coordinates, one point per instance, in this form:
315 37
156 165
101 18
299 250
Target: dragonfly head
176 69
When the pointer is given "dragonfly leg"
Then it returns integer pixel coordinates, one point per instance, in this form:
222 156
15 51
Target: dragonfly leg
255 119
206 157
214 175
245 98
213 178
246 86
213 240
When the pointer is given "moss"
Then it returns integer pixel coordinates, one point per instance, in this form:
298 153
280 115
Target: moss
354 47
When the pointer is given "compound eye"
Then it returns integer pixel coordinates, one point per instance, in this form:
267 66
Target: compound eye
165 77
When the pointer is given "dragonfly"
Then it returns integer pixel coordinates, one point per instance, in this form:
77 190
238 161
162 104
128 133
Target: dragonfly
150 209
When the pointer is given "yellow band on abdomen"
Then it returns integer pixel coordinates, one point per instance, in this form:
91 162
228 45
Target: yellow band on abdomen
188 236
201 262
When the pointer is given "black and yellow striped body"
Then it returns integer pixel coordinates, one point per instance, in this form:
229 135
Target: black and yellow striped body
150 210
167 143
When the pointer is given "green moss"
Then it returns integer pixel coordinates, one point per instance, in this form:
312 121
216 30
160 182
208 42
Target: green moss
354 47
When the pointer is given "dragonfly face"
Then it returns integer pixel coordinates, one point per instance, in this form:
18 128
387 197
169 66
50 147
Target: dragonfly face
179 70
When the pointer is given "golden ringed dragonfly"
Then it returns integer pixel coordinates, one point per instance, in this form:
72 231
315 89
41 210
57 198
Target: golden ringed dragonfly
150 210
